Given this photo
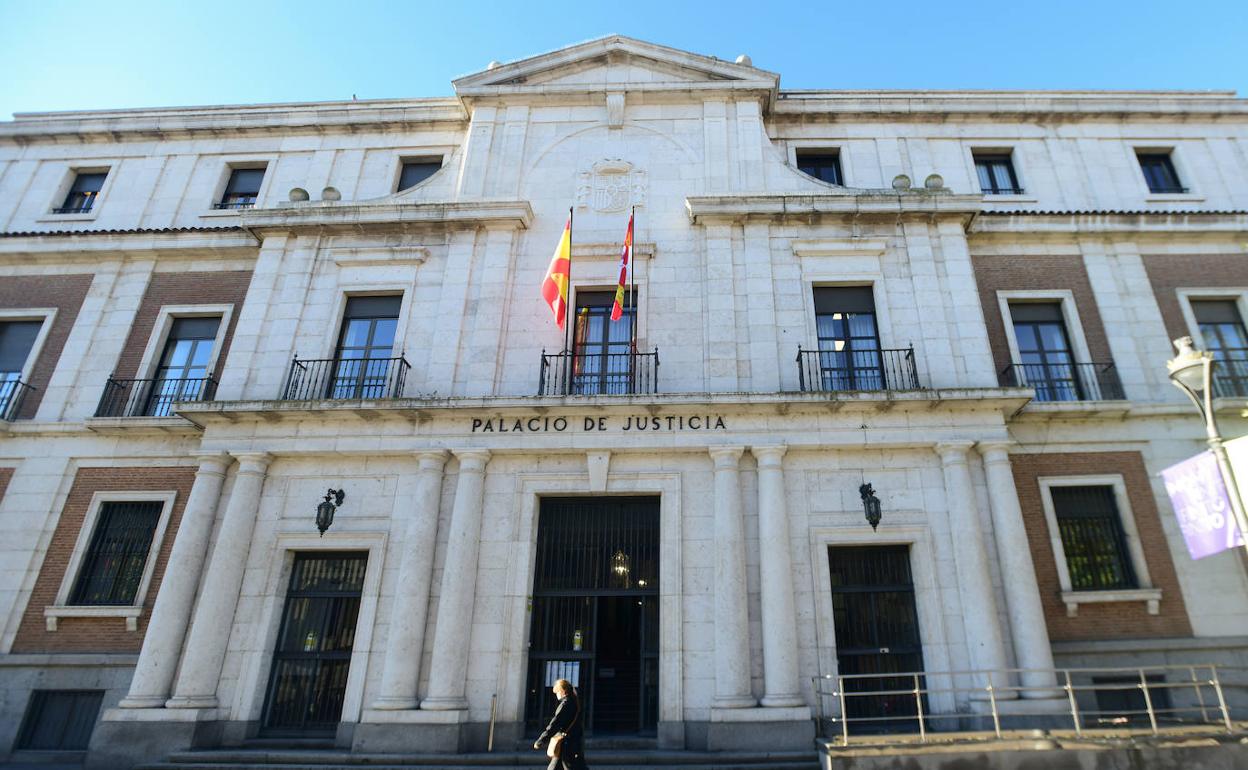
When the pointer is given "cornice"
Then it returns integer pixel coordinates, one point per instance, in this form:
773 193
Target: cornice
219 242
706 209
324 216
1109 222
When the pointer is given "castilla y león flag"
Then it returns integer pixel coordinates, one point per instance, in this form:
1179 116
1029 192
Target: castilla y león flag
617 309
555 284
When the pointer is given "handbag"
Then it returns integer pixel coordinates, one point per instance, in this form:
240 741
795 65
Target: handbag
555 746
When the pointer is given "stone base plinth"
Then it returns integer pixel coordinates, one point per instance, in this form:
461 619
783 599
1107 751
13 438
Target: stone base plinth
128 737
382 731
760 728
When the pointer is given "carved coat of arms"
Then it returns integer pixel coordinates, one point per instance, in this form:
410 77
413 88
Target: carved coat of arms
611 185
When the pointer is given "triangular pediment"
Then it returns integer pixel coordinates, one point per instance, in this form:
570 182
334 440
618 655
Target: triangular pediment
614 62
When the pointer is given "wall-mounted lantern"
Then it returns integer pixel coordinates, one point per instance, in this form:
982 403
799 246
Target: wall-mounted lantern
325 511
870 505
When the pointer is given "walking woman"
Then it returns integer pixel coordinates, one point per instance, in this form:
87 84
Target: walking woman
565 731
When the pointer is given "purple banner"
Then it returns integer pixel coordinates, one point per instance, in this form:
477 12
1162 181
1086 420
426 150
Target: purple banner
1198 494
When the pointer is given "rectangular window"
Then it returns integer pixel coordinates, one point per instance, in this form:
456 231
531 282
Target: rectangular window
82 193
16 340
242 189
1158 168
1090 526
849 339
59 720
113 565
416 171
1046 361
824 165
996 174
604 358
182 374
364 360
1222 331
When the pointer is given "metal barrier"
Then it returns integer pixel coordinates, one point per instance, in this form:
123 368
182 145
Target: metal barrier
918 703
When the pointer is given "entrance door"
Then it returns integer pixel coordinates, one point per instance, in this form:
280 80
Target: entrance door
313 654
877 632
595 619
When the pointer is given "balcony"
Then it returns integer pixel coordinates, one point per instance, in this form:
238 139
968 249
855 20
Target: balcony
152 397
13 394
857 370
313 379
598 374
1230 373
1066 382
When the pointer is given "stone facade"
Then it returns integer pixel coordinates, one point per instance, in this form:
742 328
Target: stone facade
757 475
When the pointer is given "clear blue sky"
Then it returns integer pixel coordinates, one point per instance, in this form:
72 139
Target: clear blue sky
80 54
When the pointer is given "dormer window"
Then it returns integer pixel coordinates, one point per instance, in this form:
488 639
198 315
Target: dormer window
242 189
82 193
824 165
416 171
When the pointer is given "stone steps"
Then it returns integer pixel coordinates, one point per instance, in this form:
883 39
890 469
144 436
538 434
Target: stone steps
294 759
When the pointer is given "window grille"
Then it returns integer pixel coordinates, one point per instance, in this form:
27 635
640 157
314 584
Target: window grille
82 193
1159 172
1093 539
416 171
996 174
113 566
824 166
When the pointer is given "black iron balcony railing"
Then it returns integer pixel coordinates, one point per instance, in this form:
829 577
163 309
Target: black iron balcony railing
1067 382
598 374
1003 191
1168 190
1230 373
345 378
833 370
85 208
12 394
153 397
244 202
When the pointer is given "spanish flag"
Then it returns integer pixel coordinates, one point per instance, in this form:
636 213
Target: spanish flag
555 284
626 256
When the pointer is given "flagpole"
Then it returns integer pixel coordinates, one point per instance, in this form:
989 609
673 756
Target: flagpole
632 278
568 313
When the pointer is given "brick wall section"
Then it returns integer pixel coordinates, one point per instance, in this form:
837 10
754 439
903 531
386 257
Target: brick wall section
63 292
1031 273
1168 273
97 634
1112 620
206 288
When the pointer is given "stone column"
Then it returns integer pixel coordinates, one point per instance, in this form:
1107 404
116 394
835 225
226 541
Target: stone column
166 629
1018 575
979 606
214 615
775 564
405 643
448 670
732 622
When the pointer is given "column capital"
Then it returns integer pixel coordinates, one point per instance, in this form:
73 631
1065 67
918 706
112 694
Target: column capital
472 460
953 452
995 450
214 463
431 459
253 462
769 455
726 456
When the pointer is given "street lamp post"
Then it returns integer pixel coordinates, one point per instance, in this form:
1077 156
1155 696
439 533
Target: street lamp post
1191 371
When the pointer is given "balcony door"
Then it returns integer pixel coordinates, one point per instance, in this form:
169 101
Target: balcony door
365 355
1222 330
182 374
1045 355
603 354
16 340
849 339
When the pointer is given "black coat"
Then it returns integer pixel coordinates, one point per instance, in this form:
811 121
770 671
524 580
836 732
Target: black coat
567 719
